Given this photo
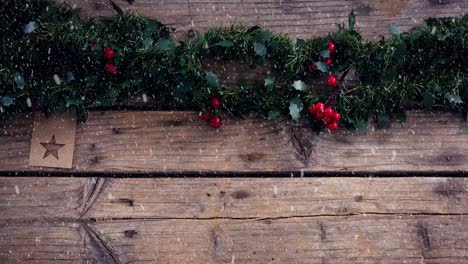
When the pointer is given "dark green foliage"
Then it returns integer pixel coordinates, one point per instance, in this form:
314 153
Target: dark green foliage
52 58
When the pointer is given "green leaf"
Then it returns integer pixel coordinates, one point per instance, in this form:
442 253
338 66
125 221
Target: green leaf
260 49
383 120
7 100
401 118
394 30
73 101
225 43
321 66
148 42
270 82
273 114
454 99
295 108
212 79
19 80
150 28
69 76
262 36
166 45
299 85
428 99
325 53
352 20
30 27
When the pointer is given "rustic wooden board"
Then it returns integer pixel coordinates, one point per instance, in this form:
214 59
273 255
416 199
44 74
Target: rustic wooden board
349 239
179 142
55 198
233 220
297 18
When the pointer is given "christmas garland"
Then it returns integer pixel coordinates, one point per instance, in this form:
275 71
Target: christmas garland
51 60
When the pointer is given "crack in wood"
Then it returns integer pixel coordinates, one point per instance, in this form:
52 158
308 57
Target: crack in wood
89 198
102 250
302 140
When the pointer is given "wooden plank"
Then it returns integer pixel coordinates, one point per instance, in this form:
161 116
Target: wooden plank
64 199
179 142
303 19
357 239
51 242
42 198
278 197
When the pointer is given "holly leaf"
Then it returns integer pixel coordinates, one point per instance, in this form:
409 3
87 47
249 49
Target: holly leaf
69 76
273 114
212 79
19 80
382 120
325 53
299 85
7 100
352 20
401 118
73 101
150 28
166 45
262 36
270 82
295 108
260 49
428 99
394 30
454 99
225 43
148 42
321 66
30 27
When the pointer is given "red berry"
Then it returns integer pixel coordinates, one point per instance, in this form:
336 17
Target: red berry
312 109
326 121
328 61
109 53
216 121
319 107
216 103
331 47
336 117
328 113
313 67
333 126
332 82
110 68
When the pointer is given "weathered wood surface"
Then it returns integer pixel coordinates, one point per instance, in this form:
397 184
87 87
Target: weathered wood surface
297 18
233 220
178 142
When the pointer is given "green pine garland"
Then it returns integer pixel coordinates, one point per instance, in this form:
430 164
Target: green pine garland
51 59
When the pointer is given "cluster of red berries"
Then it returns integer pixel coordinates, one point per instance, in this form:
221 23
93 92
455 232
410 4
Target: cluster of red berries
213 116
331 81
329 117
110 67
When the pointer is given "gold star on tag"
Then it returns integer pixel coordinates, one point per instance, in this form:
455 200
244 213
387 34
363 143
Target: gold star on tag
53 140
52 148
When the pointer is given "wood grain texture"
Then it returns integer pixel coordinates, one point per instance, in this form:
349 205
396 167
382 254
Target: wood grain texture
64 199
363 239
236 198
179 142
301 19
234 220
